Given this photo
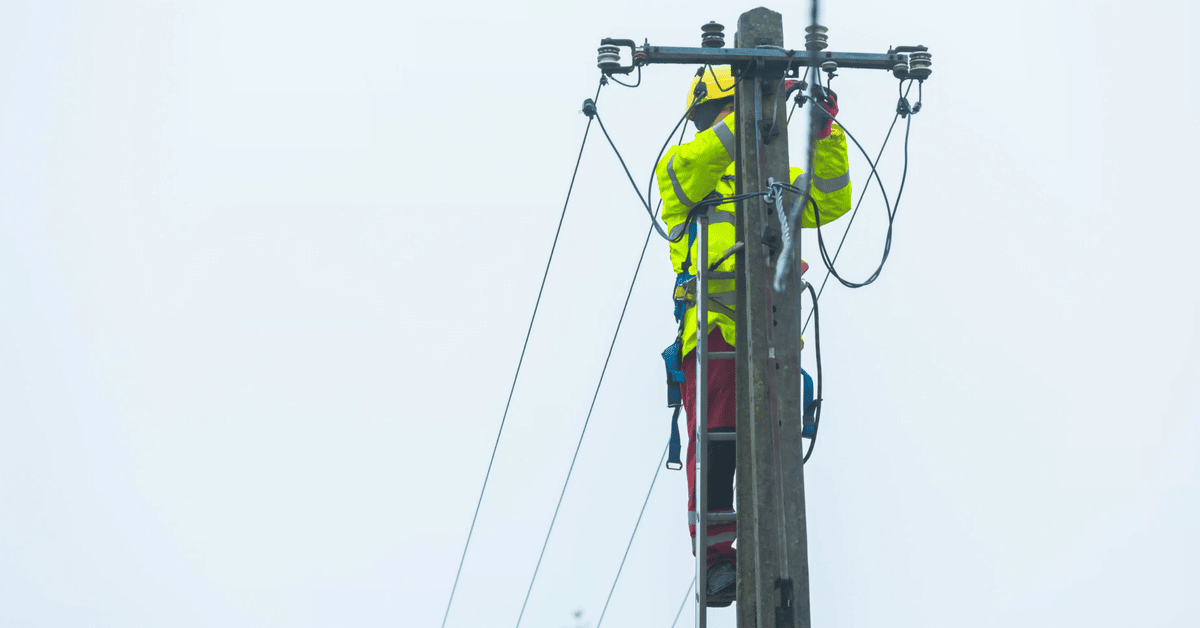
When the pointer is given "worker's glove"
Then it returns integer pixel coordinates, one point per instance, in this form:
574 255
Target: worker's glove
827 108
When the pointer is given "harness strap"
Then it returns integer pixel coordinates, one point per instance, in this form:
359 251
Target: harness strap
683 295
673 446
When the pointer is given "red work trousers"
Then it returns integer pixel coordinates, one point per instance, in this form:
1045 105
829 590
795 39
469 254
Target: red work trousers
722 414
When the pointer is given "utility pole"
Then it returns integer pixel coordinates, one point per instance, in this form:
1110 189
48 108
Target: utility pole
772 569
773 574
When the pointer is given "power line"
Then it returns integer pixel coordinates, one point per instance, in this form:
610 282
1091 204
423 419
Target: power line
583 432
589 108
520 361
684 603
874 175
644 200
657 468
902 109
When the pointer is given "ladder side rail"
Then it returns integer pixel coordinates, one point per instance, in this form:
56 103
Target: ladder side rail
701 433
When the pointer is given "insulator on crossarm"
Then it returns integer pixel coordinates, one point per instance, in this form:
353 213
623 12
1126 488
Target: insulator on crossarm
816 37
920 65
713 35
608 57
900 69
829 66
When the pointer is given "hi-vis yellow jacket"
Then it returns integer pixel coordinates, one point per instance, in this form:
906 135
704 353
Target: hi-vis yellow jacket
690 172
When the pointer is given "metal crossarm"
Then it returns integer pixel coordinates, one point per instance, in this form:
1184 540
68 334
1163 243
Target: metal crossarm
743 56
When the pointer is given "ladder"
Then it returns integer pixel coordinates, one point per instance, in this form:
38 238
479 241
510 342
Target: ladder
703 436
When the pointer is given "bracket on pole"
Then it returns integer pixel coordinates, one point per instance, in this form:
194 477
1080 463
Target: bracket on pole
904 62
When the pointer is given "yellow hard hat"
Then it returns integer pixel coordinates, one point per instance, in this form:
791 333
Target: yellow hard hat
718 83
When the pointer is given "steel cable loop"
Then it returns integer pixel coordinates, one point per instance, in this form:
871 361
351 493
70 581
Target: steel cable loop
586 421
520 361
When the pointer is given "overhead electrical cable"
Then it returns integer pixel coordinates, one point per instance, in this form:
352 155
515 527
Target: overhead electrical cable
636 189
654 167
583 432
520 361
645 200
619 82
591 111
891 209
657 468
904 110
854 214
685 600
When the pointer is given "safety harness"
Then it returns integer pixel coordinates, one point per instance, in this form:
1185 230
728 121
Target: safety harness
684 296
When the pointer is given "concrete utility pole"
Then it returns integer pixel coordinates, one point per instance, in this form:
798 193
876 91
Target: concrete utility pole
772 535
772 569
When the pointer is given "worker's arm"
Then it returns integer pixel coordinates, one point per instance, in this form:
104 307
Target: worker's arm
831 190
687 173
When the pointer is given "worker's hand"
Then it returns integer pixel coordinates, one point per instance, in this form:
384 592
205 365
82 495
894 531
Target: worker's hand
827 107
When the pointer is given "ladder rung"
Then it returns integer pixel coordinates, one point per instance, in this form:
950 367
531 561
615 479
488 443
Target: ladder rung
721 517
722 436
721 355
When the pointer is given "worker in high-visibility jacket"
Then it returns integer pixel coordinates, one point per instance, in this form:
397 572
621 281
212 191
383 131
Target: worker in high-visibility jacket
687 174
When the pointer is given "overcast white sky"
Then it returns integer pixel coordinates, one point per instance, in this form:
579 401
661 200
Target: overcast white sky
266 267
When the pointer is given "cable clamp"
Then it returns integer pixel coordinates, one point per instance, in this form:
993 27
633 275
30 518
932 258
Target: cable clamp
774 192
589 108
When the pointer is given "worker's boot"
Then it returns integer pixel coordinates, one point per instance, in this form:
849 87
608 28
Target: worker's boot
722 584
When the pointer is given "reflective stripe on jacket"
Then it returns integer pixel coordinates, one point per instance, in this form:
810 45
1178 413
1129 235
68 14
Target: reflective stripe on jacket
690 172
